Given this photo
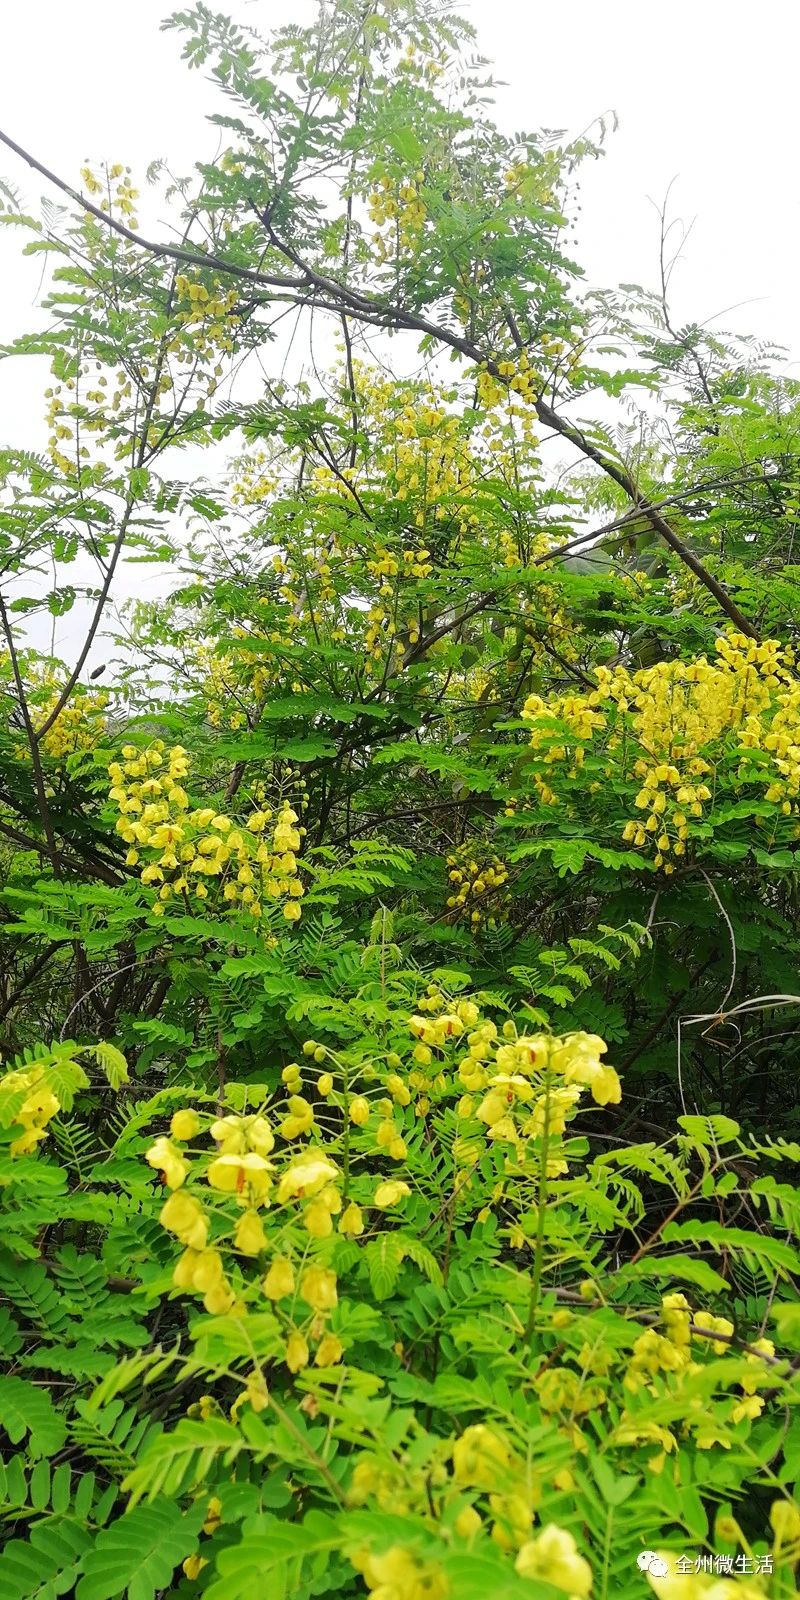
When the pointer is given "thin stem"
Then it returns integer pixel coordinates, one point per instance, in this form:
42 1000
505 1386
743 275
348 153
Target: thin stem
538 1255
38 774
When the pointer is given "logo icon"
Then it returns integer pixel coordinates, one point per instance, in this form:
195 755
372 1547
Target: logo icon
650 1562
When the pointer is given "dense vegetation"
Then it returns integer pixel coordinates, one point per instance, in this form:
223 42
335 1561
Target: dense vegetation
462 759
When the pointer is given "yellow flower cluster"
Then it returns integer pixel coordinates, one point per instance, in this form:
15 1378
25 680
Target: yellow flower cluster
474 874
385 565
484 1467
518 1087
254 483
668 1355
429 460
210 315
253 1200
27 1102
191 851
398 209
484 1463
77 727
673 727
235 685
421 451
435 460
680 1585
515 377
534 1083
81 406
398 1574
552 628
116 188
533 183
241 1172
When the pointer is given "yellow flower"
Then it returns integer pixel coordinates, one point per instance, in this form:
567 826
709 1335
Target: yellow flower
300 1118
184 1216
37 1108
317 1219
168 1160
306 1177
296 1352
291 911
479 1456
329 1351
605 1087
748 1408
255 1393
279 1281
183 1271
712 1324
784 1517
398 1574
260 1136
552 1109
467 1523
193 1566
359 1111
27 1141
318 1288
236 1173
553 1556
213 1515
219 1299
207 1270
397 1089
676 1585
184 1125
351 1220
228 1133
388 1193
249 1236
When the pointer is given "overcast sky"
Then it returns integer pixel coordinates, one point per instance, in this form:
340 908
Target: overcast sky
705 92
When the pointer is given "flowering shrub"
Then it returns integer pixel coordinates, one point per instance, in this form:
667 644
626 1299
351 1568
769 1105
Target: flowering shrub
692 733
190 848
420 1340
405 1203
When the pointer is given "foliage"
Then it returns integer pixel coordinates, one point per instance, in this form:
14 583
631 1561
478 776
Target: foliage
337 1258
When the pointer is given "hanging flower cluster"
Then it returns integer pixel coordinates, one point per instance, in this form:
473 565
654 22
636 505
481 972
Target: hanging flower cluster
79 724
495 1490
257 1199
209 315
27 1102
221 1217
187 852
116 190
679 730
516 376
399 213
477 877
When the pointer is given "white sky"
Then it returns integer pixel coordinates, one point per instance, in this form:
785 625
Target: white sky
705 90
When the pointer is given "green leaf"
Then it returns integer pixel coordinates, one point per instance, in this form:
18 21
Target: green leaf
686 1268
138 1553
47 1562
112 1062
24 1408
273 1554
384 1258
710 1131
175 1462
